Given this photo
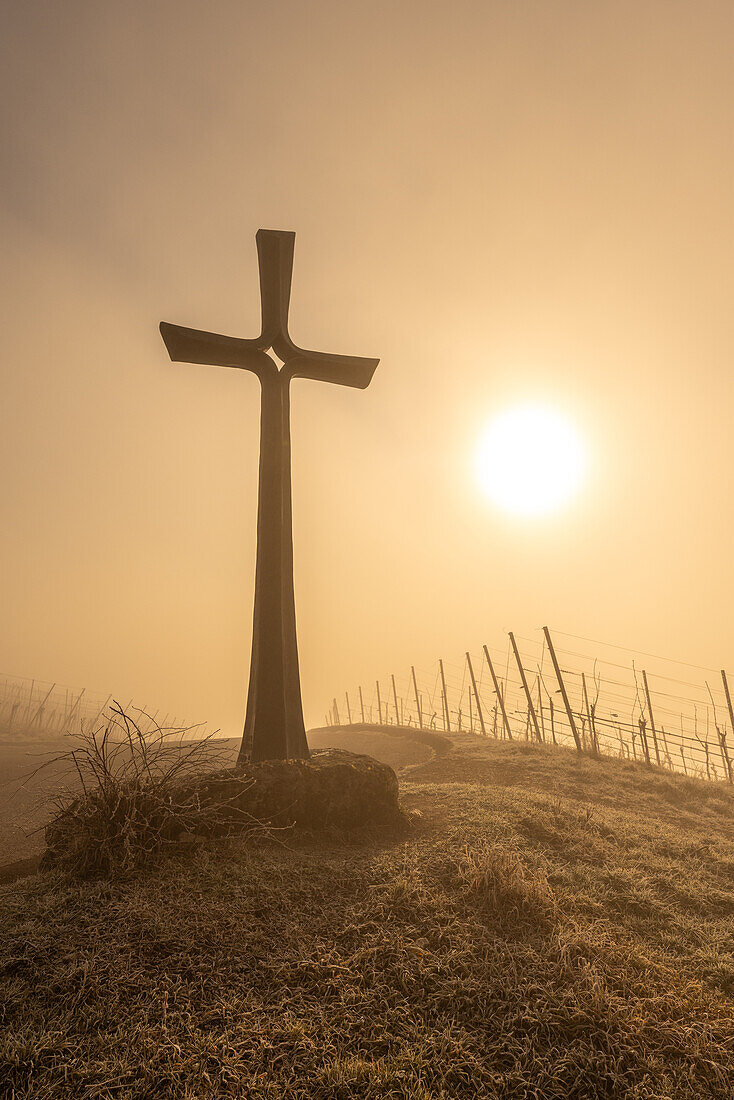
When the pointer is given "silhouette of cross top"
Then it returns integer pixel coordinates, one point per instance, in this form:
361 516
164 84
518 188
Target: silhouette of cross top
275 256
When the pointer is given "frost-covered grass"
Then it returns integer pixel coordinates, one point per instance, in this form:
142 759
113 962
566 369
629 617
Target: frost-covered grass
551 926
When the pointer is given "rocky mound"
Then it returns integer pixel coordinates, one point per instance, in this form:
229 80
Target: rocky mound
333 787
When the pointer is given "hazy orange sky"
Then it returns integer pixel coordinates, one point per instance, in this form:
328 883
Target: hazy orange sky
504 201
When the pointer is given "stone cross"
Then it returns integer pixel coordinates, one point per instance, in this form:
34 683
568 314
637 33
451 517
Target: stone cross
274 728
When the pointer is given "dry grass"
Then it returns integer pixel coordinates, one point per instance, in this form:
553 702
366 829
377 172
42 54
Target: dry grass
550 928
500 880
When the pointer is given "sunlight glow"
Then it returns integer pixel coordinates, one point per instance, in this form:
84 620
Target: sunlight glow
530 460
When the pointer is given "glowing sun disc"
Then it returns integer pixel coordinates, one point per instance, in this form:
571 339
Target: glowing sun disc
530 460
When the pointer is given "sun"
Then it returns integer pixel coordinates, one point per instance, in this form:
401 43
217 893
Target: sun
530 460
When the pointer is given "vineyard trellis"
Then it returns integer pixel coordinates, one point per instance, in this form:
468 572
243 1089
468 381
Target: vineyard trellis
591 695
34 709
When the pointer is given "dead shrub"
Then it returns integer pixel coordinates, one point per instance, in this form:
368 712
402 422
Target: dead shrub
134 797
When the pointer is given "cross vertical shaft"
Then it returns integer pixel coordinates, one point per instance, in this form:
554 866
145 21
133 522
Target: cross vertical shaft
274 692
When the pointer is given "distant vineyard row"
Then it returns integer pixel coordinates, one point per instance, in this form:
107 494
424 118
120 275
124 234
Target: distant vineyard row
33 710
595 696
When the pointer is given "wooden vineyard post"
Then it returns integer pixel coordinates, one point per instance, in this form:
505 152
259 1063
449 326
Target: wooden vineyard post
728 697
361 703
445 698
650 715
526 689
540 710
29 704
476 695
336 714
498 693
417 697
731 719
349 709
643 738
721 734
590 716
710 767
562 686
76 704
379 701
552 708
506 729
395 699
43 702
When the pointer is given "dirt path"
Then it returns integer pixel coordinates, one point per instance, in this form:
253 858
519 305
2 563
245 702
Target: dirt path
404 748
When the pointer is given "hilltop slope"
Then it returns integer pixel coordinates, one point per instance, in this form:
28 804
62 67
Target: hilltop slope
550 926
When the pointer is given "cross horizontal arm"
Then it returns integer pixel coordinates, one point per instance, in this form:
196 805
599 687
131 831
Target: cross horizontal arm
193 345
342 370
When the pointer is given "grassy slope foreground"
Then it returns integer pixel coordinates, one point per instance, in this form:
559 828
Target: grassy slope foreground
549 927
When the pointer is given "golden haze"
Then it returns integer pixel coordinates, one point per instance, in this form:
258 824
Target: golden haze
505 203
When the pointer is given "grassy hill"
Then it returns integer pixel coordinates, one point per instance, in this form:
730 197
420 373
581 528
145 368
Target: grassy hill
549 926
